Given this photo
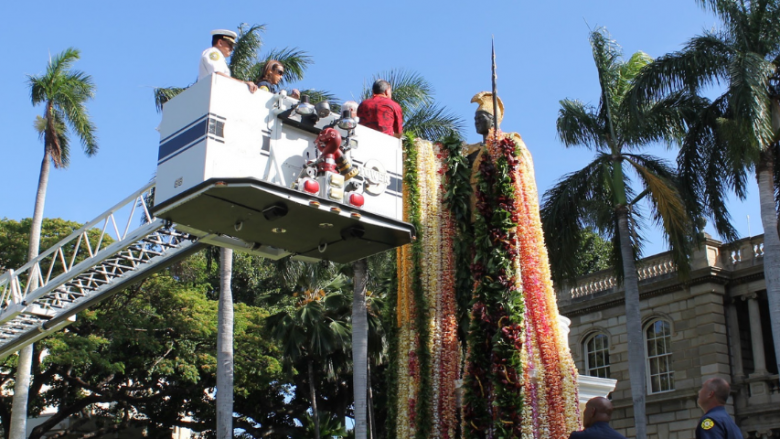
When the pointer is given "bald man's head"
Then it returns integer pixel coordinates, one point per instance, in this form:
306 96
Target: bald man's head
598 409
714 392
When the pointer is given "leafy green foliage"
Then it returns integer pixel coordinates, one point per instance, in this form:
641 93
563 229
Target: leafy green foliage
64 93
458 201
15 238
594 253
732 134
595 196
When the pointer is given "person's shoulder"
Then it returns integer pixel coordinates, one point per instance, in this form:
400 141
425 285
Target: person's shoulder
212 53
711 425
606 431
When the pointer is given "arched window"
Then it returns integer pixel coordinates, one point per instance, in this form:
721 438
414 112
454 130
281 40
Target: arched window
658 338
597 356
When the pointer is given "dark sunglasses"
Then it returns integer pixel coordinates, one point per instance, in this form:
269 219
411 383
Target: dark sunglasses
279 72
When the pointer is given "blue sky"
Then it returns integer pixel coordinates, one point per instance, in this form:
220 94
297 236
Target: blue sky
130 47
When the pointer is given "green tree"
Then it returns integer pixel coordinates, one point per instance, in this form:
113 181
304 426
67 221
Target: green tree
148 355
738 132
601 195
14 242
313 333
63 93
594 253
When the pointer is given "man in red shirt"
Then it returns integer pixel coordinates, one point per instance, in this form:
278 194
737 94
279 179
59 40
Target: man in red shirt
381 112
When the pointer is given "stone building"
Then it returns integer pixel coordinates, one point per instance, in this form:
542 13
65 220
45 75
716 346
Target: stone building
716 323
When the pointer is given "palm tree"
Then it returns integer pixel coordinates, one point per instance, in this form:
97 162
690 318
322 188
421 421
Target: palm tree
739 131
313 330
601 195
360 348
330 427
64 93
225 347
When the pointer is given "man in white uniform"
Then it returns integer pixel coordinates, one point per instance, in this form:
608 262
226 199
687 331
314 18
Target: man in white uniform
214 59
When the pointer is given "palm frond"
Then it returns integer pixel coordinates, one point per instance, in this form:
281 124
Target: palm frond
630 70
664 120
432 121
669 209
578 124
165 94
701 63
295 63
60 147
575 202
748 94
732 13
410 89
316 96
708 169
607 56
75 90
245 51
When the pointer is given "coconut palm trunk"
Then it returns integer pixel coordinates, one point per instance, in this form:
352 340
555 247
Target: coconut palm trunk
766 192
225 347
636 361
360 348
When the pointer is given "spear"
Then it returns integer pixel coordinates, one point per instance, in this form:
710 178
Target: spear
495 92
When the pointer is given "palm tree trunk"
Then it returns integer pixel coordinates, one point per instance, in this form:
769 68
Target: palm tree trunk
315 414
371 414
360 347
24 367
766 193
636 356
225 347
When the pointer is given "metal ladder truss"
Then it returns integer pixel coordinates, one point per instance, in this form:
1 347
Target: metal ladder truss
101 258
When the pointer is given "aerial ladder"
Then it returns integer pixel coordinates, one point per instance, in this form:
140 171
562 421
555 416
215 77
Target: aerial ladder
260 173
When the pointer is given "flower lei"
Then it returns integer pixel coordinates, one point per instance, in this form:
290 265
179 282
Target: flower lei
427 356
521 380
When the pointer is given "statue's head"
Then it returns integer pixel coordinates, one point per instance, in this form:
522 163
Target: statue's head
483 118
483 122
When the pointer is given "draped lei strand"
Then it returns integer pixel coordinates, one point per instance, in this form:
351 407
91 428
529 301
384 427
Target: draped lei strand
428 358
520 378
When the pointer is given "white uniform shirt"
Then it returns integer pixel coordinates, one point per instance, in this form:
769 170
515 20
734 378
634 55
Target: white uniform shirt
212 61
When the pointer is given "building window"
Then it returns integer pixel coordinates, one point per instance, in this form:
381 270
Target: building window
597 356
658 336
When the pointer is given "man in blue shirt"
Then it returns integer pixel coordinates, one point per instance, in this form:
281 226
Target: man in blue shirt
716 423
595 419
